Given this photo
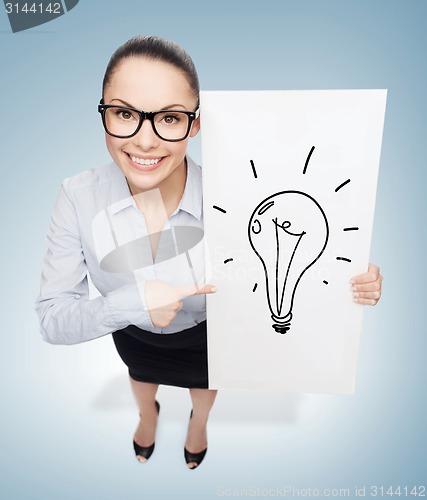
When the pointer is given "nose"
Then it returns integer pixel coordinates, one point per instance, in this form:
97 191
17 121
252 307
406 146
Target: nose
146 139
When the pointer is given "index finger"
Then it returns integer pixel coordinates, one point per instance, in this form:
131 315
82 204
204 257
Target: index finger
187 291
205 289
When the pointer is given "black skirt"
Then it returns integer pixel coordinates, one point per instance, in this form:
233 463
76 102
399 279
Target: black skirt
177 359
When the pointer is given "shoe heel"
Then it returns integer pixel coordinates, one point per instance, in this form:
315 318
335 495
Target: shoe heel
197 458
145 451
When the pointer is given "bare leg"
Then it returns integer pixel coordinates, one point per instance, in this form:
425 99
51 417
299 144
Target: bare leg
197 441
145 395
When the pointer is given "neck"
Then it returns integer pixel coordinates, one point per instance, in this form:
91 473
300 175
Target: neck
166 197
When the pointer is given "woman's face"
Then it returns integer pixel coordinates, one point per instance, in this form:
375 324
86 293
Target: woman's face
149 85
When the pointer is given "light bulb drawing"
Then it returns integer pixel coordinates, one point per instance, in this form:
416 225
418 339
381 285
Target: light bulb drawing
288 231
293 244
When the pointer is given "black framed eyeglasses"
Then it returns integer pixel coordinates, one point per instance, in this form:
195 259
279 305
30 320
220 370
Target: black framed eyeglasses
123 122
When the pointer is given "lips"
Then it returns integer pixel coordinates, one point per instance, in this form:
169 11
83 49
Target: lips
145 164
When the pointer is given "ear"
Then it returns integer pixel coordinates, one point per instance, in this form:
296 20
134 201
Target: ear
195 127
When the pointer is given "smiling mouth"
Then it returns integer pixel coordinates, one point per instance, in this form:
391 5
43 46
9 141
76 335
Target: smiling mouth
146 162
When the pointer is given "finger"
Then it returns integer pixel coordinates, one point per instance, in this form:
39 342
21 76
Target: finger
364 278
206 289
371 275
367 295
366 302
190 290
160 294
372 286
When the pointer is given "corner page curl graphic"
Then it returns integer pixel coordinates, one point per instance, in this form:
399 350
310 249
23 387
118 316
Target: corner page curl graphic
24 15
288 231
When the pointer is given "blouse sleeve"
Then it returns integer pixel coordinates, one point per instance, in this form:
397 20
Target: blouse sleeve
66 314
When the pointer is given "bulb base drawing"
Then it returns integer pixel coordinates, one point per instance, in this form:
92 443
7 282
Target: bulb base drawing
282 325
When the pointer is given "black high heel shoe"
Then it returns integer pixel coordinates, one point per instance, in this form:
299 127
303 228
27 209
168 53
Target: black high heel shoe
197 458
146 451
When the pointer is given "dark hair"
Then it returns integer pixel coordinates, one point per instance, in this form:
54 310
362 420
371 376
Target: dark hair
156 48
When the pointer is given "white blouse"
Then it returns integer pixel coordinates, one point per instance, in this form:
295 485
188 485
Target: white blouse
96 230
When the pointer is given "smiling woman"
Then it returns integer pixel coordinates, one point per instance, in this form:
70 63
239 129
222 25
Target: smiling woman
134 139
149 200
143 203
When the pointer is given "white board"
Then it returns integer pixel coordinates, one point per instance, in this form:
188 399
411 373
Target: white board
289 195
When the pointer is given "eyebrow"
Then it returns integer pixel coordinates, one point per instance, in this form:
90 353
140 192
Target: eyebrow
170 106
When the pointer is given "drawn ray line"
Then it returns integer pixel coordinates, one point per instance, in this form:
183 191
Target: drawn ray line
253 169
220 209
342 185
307 160
326 283
351 229
344 259
255 287
227 260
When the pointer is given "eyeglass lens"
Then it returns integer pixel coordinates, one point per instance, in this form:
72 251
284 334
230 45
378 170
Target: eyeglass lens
172 125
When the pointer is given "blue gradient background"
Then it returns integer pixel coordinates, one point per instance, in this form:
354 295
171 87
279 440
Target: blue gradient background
67 414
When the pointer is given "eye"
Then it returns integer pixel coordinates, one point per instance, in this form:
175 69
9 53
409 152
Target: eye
170 118
121 114
124 114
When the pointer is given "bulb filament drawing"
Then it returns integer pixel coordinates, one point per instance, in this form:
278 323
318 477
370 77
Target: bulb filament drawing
288 231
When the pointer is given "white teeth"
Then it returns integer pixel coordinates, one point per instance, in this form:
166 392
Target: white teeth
140 161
